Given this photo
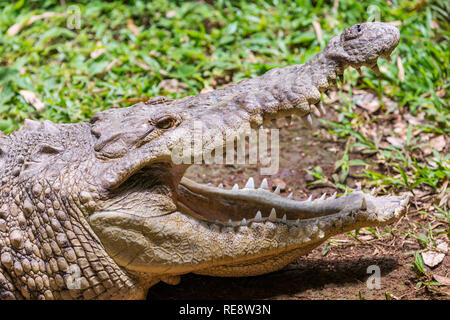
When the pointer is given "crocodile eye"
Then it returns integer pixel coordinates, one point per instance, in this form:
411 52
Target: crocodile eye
166 123
352 32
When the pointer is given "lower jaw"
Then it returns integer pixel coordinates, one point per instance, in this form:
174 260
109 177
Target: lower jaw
258 266
242 206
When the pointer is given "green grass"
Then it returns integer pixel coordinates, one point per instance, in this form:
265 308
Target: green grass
204 45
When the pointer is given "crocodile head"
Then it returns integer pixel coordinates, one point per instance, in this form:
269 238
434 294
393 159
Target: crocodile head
362 44
153 220
110 196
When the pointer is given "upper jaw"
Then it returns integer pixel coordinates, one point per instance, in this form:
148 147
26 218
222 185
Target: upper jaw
375 39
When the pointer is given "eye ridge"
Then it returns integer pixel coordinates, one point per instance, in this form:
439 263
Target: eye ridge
165 122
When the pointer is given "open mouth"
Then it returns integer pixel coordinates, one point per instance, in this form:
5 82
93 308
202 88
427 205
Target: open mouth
161 189
154 219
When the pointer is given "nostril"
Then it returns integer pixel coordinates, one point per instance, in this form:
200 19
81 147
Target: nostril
358 27
95 133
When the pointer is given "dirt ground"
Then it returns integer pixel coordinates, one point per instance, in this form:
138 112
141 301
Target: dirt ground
341 273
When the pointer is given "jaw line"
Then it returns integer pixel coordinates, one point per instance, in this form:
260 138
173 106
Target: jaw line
247 205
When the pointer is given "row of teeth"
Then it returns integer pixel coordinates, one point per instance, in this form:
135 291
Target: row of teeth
273 214
307 119
259 218
265 186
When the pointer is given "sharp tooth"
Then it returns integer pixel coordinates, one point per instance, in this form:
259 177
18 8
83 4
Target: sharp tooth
358 186
284 218
309 199
376 70
264 184
250 184
235 187
273 215
307 120
345 193
319 106
297 222
243 222
333 196
323 196
220 186
277 190
261 127
258 216
404 201
230 223
359 72
363 204
372 192
289 197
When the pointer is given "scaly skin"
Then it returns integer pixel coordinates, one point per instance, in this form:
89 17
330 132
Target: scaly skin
100 211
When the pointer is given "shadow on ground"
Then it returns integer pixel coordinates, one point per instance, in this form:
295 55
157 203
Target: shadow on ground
289 283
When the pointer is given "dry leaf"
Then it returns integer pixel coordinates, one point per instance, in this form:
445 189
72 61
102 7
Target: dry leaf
365 238
16 28
412 120
131 100
31 98
401 70
395 23
251 57
111 65
368 101
141 64
444 280
437 143
132 27
173 85
279 183
99 90
434 25
433 258
171 14
331 97
396 142
206 90
97 53
318 30
335 5
441 93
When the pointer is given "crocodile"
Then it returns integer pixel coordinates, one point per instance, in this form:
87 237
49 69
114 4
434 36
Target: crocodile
100 209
